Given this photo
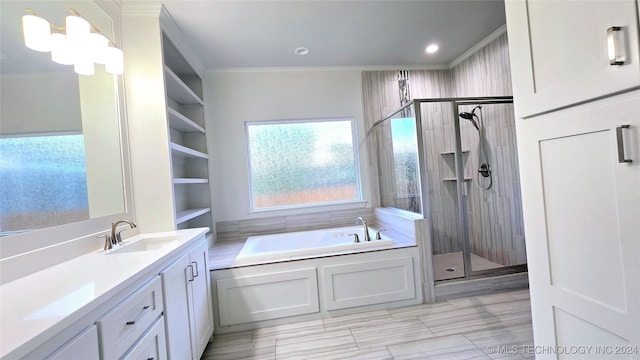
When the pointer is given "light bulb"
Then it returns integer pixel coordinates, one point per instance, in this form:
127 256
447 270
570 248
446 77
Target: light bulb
115 62
99 44
61 50
37 33
77 28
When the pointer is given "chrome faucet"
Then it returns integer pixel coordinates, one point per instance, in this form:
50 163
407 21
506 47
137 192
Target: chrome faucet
116 239
366 228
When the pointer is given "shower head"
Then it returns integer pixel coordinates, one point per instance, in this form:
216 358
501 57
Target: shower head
470 116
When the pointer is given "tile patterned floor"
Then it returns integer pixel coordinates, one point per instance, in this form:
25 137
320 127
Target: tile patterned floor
495 326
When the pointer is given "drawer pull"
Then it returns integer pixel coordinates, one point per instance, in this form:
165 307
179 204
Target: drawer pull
621 157
144 310
196 267
615 45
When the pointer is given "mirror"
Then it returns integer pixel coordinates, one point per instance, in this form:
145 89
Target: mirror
60 152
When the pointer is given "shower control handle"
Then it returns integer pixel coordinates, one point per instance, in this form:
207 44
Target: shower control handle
620 139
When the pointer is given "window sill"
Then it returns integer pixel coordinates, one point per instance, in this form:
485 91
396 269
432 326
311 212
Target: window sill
360 204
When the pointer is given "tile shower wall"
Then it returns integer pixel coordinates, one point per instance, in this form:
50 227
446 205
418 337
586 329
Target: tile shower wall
495 218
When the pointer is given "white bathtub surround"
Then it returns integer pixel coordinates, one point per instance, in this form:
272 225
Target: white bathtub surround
298 245
248 297
45 304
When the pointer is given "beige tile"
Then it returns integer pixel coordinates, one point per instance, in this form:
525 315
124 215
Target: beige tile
271 334
503 342
316 345
389 333
420 310
481 300
460 320
356 320
366 354
520 294
454 347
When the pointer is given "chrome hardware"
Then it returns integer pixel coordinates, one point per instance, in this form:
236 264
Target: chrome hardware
366 228
196 274
378 236
620 139
115 236
356 239
615 45
192 274
133 322
108 241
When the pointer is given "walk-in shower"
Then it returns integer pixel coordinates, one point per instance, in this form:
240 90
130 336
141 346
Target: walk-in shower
454 160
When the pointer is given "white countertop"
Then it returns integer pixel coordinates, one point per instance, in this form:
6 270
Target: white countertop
38 306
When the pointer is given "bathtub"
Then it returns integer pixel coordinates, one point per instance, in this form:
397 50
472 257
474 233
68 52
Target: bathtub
296 245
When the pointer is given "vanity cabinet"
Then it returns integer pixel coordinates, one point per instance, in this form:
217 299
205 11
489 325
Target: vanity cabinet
125 325
556 62
187 299
82 347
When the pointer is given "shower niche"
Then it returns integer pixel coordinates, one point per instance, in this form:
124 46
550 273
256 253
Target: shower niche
454 161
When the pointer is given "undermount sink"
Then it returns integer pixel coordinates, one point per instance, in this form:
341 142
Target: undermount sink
144 244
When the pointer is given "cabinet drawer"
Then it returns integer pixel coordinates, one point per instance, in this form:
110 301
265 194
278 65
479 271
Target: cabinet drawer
120 328
152 346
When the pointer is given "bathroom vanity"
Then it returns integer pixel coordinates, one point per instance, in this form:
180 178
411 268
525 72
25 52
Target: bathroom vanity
146 299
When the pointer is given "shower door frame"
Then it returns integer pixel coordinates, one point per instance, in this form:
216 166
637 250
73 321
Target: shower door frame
459 169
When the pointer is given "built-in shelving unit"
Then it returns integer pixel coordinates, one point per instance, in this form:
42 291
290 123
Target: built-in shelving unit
187 134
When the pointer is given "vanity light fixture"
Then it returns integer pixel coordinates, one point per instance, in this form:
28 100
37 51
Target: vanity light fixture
78 43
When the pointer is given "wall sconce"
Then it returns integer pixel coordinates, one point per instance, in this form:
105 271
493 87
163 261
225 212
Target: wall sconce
79 43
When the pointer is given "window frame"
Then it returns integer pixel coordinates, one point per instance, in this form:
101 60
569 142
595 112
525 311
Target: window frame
358 202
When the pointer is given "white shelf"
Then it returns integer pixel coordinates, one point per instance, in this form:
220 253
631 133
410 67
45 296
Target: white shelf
183 123
190 181
188 214
178 90
185 152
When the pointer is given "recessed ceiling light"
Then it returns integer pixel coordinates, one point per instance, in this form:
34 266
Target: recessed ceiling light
301 51
432 49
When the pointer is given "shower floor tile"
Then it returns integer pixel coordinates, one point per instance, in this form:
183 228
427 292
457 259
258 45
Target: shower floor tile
443 262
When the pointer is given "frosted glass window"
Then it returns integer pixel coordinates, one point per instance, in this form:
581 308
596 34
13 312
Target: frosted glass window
43 182
296 163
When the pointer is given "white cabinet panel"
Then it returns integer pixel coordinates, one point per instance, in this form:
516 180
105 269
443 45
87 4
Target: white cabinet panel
120 328
280 295
559 52
366 283
152 346
82 347
581 210
187 300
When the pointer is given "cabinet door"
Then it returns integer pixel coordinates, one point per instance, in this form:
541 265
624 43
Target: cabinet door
200 299
175 287
582 221
559 51
152 346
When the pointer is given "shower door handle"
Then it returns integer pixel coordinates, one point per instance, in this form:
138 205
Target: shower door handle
620 140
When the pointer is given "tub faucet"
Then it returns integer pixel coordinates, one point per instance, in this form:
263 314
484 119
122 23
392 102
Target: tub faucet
366 228
115 236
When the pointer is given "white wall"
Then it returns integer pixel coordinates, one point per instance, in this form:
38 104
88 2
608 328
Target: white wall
231 98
